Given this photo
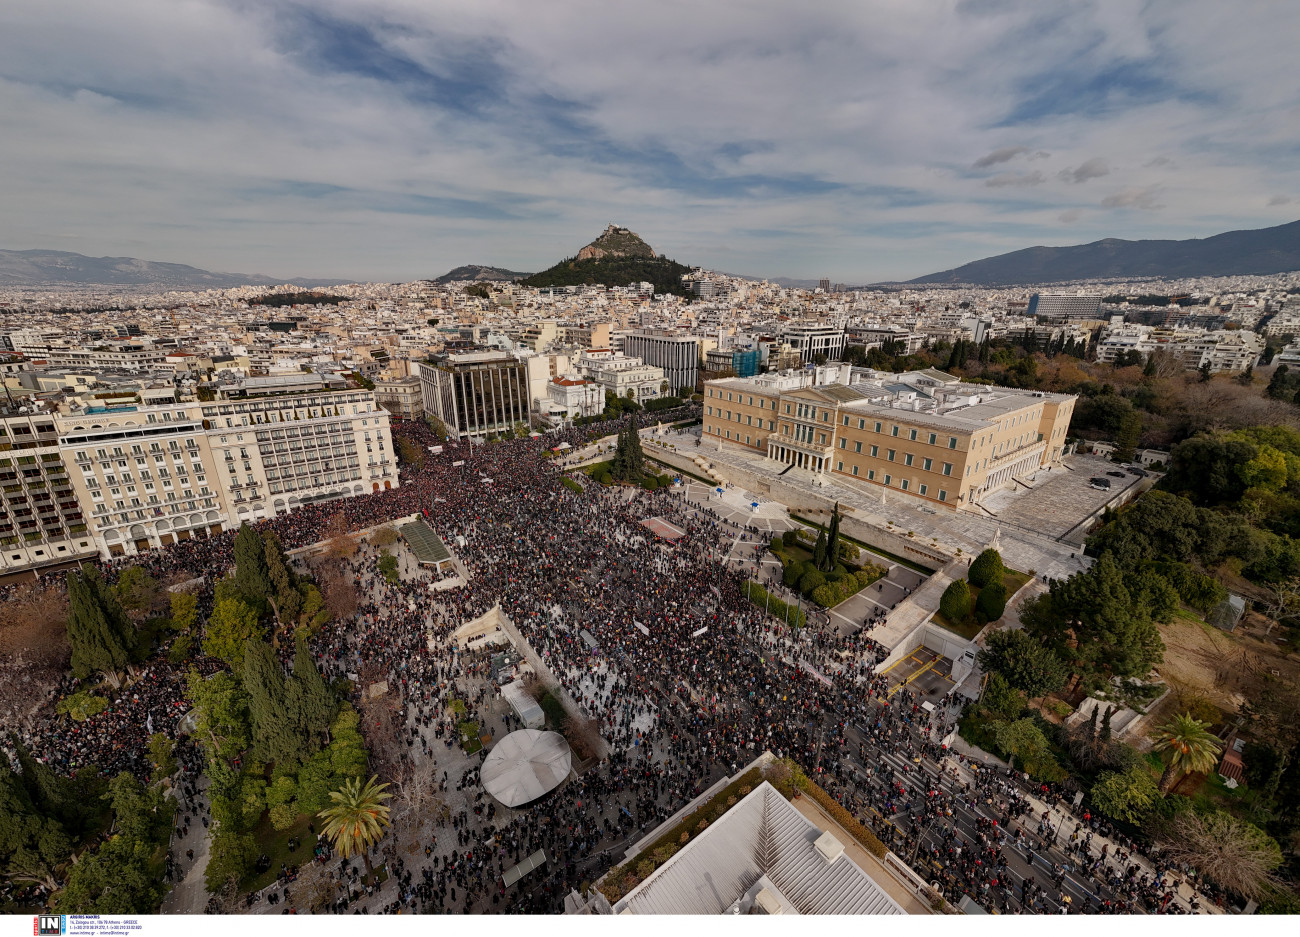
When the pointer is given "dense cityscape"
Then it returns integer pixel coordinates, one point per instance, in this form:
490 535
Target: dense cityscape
545 580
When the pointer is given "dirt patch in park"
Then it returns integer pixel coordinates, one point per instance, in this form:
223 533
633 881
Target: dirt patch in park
1225 668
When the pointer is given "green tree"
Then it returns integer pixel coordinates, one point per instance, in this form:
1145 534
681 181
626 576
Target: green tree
310 700
1268 470
121 877
231 858
356 818
1205 467
1191 748
161 756
1127 796
185 611
287 599
955 601
275 734
992 602
100 633
252 579
834 546
1126 440
986 568
1001 698
1115 633
1024 741
222 721
1025 663
125 875
232 623
819 552
51 795
135 591
33 845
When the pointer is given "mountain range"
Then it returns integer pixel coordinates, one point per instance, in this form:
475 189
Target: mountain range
54 268
1255 252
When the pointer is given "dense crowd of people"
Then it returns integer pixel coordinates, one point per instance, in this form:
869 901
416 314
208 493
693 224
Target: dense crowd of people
653 639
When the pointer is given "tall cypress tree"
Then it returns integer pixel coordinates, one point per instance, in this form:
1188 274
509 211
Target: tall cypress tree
275 735
618 466
100 633
252 578
635 463
288 600
819 551
310 700
833 541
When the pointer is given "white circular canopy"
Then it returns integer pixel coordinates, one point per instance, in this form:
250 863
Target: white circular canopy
526 765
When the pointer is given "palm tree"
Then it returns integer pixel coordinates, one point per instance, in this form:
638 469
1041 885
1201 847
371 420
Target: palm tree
1192 748
357 818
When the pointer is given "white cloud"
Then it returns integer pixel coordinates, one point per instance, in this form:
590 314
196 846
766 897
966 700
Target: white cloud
207 132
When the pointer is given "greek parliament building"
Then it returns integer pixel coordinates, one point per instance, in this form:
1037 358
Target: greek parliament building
924 434
101 480
475 392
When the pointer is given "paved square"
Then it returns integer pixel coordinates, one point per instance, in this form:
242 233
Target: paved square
1060 499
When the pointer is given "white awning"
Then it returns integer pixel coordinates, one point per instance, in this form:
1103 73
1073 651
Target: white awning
526 765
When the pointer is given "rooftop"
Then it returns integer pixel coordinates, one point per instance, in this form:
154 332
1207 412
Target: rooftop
761 837
424 543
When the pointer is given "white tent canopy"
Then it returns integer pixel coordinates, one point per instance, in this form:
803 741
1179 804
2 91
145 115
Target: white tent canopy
526 765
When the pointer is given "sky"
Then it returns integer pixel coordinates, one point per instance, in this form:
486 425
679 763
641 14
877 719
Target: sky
863 141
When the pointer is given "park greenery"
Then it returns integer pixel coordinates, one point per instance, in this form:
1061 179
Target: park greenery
825 574
969 604
277 742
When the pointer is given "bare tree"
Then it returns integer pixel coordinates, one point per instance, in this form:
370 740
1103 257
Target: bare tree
1281 600
338 543
339 589
1231 852
417 789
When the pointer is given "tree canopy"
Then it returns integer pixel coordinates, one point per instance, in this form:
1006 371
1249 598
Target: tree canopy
1024 663
100 633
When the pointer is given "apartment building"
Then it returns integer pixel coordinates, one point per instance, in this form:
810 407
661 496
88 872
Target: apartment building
149 476
1231 350
41 519
922 434
118 357
400 396
594 335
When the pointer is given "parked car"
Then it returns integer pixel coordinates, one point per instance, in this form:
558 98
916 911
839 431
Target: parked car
1101 484
1137 470
1115 474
